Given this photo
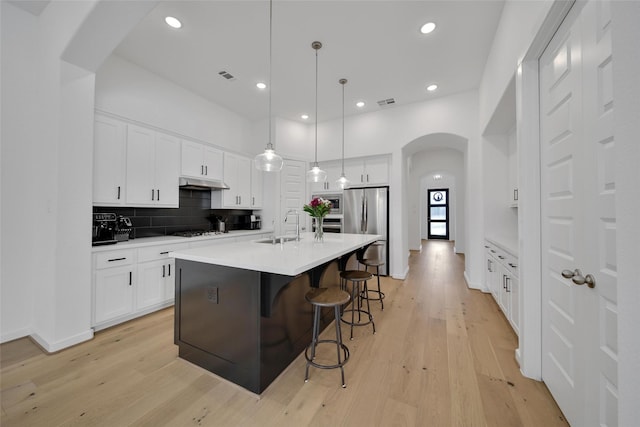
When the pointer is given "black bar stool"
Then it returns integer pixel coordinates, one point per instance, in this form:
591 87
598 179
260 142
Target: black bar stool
326 297
357 277
373 262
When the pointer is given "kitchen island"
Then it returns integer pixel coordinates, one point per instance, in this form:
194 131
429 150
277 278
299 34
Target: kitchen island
240 310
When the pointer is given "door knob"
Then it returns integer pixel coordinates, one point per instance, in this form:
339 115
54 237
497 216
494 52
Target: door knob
577 277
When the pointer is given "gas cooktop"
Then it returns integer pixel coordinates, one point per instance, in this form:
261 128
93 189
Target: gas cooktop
196 233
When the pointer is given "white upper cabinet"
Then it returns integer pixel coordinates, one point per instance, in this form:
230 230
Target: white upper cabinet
109 160
333 171
237 175
153 168
369 171
201 161
256 186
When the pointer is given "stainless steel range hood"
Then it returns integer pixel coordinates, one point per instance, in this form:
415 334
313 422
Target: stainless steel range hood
202 184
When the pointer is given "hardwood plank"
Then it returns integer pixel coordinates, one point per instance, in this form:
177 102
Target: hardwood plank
443 355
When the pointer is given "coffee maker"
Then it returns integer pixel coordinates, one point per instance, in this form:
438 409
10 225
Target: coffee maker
104 229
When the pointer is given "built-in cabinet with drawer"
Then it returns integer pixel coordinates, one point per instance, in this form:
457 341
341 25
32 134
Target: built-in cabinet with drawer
153 168
201 161
131 282
501 278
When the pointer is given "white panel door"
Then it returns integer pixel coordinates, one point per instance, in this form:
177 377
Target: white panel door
151 288
579 343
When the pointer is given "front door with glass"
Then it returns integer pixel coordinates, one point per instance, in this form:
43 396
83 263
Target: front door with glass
438 214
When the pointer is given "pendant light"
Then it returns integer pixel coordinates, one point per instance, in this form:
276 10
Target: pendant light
269 161
342 182
315 174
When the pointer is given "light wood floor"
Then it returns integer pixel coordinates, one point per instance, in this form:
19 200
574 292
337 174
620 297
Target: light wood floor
443 355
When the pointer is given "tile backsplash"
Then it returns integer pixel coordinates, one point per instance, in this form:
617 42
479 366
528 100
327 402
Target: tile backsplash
193 214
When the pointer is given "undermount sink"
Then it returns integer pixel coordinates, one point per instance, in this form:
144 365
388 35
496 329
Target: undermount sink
280 239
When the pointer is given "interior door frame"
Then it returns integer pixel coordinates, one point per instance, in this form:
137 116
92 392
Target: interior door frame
429 220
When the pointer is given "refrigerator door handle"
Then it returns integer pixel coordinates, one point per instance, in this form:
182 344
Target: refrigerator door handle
366 214
362 205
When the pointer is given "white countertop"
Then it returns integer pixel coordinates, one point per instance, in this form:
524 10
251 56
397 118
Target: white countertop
290 258
151 241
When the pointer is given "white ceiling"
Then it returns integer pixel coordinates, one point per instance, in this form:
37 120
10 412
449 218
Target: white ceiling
376 45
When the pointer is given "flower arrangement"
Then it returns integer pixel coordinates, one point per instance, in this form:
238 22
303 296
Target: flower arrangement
318 207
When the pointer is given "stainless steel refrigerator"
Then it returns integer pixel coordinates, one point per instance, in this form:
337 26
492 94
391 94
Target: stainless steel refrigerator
366 211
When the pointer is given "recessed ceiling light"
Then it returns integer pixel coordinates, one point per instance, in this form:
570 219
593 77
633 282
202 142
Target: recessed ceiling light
261 85
173 22
431 88
304 116
427 28
359 104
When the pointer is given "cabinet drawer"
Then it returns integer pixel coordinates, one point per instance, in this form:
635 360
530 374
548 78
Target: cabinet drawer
115 258
153 253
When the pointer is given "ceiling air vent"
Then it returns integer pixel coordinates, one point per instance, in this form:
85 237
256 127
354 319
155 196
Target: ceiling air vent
386 102
227 75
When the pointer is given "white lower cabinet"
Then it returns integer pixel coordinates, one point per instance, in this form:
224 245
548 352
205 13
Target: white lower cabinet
129 283
501 278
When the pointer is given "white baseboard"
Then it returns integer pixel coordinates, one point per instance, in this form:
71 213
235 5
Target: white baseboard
472 285
402 275
14 335
61 345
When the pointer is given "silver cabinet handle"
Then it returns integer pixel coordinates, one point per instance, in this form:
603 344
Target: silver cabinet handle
201 169
163 271
153 193
118 192
206 169
158 190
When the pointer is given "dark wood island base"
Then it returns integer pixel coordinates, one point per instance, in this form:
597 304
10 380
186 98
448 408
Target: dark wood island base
246 326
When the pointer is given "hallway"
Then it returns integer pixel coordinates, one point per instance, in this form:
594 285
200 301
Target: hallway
443 355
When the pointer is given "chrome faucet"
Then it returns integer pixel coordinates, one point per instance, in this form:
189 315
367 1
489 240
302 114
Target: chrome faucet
297 214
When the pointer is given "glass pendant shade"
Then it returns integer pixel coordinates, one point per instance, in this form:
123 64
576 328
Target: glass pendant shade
315 174
342 182
268 161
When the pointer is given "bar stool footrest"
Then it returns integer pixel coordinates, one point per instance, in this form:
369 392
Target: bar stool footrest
365 295
358 312
345 351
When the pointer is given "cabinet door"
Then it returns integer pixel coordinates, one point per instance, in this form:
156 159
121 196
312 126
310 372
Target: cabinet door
140 166
170 281
230 197
150 289
505 296
256 187
213 164
192 163
113 293
109 159
167 170
243 182
376 171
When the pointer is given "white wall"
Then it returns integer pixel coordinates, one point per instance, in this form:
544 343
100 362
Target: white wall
424 164
519 25
389 131
124 89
